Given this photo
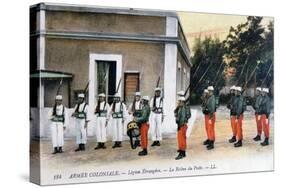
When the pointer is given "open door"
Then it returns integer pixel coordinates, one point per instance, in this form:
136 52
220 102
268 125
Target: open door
106 79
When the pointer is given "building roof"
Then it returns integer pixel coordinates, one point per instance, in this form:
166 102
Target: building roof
102 9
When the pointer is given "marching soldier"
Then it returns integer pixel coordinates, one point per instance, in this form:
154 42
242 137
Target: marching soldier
58 117
210 118
102 114
156 105
238 107
256 106
144 126
182 114
81 115
119 114
264 115
204 99
135 111
230 106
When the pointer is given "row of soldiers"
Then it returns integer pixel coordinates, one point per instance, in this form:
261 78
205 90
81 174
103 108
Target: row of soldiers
149 114
144 111
237 106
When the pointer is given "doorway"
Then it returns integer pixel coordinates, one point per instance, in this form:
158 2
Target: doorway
106 79
105 71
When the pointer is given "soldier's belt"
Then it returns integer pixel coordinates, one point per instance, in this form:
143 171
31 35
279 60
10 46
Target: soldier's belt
117 115
58 119
158 110
80 115
102 114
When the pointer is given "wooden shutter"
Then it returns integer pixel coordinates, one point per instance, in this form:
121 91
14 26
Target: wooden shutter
131 86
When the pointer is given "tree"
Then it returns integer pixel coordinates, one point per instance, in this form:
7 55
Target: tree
244 45
208 65
265 71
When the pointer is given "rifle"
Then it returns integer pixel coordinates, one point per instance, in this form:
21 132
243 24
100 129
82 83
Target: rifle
60 84
267 74
250 77
159 77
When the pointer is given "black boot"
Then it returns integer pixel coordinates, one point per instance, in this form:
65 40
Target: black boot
210 145
60 150
206 142
82 147
120 144
55 150
115 145
265 142
143 152
98 146
180 155
79 148
157 143
103 146
154 143
257 138
238 144
232 140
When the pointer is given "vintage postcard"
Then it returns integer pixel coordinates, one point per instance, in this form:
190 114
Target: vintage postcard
124 94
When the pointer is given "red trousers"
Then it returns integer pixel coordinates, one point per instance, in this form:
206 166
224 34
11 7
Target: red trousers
239 127
233 126
265 125
210 127
144 132
182 137
259 126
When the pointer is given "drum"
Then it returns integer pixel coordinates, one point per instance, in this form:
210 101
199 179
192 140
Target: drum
133 129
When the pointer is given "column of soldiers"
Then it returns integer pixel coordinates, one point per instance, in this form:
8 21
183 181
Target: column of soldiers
148 113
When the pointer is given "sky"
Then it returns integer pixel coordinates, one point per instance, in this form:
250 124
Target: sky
206 24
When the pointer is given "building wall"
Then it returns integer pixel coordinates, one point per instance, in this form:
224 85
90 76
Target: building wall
72 56
105 23
183 73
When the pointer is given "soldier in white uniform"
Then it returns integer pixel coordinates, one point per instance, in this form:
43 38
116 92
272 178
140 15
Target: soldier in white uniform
118 114
58 117
156 119
135 112
81 115
102 111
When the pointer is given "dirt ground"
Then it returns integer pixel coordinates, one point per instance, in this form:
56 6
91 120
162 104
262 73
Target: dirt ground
160 160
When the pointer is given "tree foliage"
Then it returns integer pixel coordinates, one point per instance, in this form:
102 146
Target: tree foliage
208 66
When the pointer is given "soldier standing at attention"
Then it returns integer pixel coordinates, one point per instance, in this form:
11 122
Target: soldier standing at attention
119 114
81 115
256 106
211 117
230 106
102 113
182 114
144 126
264 115
135 111
156 105
58 117
205 111
238 106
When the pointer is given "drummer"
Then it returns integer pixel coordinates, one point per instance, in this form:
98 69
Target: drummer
144 126
135 112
